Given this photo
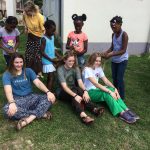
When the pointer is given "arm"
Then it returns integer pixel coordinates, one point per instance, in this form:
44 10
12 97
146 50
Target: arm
12 105
70 92
85 93
108 83
25 25
5 49
43 88
17 43
103 88
123 49
68 45
43 44
105 53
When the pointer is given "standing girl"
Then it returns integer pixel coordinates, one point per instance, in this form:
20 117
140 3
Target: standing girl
77 40
108 93
48 52
119 54
34 28
9 36
68 74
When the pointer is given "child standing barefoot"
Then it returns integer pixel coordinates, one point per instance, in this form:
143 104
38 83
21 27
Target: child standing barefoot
9 36
77 40
119 54
48 52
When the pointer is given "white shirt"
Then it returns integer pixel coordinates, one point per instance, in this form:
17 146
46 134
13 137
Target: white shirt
94 73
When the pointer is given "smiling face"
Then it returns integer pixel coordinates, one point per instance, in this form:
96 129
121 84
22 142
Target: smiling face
18 64
69 62
97 62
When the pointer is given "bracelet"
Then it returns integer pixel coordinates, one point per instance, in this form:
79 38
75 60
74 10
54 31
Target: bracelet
75 95
84 90
12 102
47 92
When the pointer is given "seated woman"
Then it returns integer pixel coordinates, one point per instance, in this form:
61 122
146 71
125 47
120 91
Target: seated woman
24 105
98 93
68 74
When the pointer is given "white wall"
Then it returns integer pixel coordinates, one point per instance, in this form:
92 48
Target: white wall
135 13
11 7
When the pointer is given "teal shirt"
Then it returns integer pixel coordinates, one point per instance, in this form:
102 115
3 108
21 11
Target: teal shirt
49 50
21 84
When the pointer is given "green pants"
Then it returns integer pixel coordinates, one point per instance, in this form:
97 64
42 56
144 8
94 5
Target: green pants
115 106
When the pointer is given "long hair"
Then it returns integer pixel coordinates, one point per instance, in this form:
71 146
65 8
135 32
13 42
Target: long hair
92 59
30 6
70 54
11 67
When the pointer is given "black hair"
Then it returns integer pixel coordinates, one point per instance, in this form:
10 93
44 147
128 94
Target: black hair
11 20
116 19
75 17
49 23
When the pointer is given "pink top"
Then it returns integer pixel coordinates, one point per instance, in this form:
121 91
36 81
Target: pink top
77 40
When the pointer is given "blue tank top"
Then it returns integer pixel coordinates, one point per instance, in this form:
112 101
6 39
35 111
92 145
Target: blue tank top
117 45
49 50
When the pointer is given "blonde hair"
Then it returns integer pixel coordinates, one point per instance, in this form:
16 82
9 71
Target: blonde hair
92 59
29 6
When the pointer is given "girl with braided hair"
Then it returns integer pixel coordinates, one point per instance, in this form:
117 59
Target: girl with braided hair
119 54
77 40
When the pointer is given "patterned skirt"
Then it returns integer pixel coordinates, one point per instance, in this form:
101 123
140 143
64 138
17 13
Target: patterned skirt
33 56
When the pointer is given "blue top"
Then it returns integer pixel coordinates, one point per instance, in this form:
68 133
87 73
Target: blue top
21 84
49 50
117 45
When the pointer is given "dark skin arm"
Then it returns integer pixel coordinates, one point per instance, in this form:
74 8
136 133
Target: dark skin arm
43 44
122 50
68 44
17 43
6 49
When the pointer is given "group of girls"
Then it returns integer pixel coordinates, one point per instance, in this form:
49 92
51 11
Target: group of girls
80 89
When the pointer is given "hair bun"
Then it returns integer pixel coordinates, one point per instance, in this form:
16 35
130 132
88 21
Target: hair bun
74 16
84 17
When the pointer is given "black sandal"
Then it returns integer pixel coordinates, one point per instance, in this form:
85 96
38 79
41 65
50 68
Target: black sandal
98 111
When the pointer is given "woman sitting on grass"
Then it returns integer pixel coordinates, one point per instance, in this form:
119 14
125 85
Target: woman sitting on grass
68 74
99 93
24 105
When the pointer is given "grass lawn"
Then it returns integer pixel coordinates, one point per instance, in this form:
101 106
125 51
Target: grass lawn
66 132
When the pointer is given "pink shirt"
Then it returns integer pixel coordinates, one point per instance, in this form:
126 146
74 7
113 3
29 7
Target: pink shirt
77 40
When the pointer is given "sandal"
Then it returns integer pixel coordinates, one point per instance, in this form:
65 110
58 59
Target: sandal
87 120
98 111
48 115
20 125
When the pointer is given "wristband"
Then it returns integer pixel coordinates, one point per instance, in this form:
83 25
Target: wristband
75 95
47 92
12 102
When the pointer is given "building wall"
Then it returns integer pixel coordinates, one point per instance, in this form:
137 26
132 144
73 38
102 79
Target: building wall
136 21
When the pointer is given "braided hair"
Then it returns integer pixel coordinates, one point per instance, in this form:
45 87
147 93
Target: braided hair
116 19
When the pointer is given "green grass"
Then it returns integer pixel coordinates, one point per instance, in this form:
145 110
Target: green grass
66 132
